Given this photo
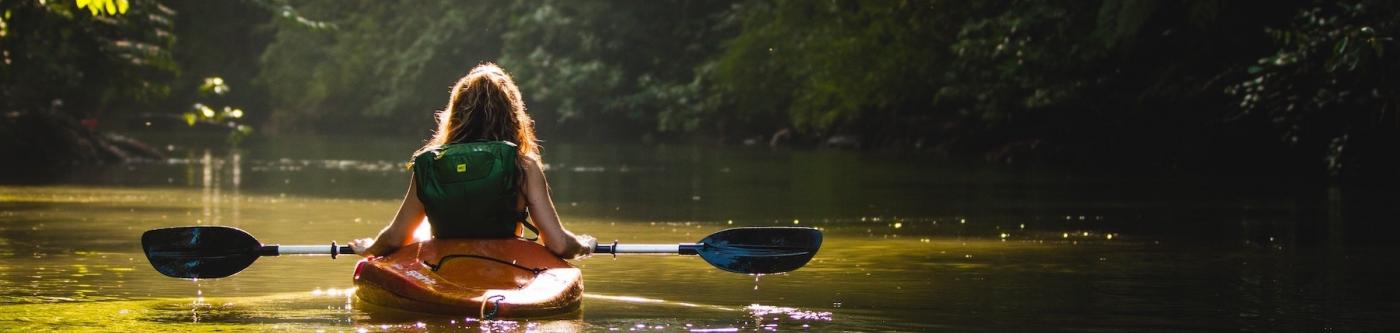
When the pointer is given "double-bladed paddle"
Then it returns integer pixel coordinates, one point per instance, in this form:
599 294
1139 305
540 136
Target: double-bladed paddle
215 252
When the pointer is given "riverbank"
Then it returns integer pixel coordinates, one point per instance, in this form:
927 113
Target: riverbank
43 146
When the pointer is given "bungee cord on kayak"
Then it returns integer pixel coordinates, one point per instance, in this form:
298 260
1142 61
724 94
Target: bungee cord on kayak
444 259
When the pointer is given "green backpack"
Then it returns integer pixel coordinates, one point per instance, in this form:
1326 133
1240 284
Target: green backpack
469 190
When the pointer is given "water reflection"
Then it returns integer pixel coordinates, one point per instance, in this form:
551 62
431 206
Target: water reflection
911 246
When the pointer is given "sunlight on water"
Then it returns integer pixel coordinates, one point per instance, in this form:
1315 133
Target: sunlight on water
333 292
644 300
762 311
758 316
905 249
621 291
726 329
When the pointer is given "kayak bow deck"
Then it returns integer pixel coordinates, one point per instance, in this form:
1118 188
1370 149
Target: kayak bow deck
486 278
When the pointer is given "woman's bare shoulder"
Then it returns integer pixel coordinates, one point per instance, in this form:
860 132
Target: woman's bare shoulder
532 161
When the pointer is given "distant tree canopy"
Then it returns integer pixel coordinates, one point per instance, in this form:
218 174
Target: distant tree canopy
1209 82
59 56
590 69
1329 87
383 67
630 66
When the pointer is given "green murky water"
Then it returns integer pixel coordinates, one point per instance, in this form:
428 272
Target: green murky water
911 244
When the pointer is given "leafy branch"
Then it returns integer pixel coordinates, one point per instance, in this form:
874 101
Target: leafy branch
107 7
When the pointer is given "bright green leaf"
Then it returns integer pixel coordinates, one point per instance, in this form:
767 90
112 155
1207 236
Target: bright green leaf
109 7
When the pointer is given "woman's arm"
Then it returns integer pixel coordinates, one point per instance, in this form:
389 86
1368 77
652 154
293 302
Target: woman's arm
400 231
560 241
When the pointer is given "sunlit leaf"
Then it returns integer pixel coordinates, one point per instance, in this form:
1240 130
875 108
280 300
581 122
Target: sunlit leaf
109 7
190 118
214 85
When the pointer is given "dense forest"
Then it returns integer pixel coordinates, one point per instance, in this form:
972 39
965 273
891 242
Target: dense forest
1247 86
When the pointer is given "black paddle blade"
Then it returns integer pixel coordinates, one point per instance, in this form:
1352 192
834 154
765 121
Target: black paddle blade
761 250
199 252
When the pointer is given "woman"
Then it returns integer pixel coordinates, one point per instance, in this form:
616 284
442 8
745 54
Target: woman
479 174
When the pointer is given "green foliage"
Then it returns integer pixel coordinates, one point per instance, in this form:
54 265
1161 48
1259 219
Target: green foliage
961 77
988 76
214 85
381 63
899 68
229 117
593 68
1330 81
586 69
1021 59
56 57
108 7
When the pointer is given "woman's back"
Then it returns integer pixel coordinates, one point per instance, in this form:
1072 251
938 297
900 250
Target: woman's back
476 173
470 190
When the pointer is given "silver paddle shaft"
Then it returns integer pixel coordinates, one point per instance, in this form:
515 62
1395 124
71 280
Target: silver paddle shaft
615 248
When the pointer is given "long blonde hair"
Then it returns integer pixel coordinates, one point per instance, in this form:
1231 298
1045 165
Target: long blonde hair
485 105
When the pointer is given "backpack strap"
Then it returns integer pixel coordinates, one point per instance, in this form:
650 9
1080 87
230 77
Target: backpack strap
525 222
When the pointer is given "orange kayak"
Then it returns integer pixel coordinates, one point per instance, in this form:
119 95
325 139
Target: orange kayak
485 278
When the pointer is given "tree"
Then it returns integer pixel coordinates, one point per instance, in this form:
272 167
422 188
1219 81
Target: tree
1328 89
384 67
58 56
64 66
615 70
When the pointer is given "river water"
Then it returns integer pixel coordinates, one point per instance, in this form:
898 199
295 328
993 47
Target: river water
912 243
